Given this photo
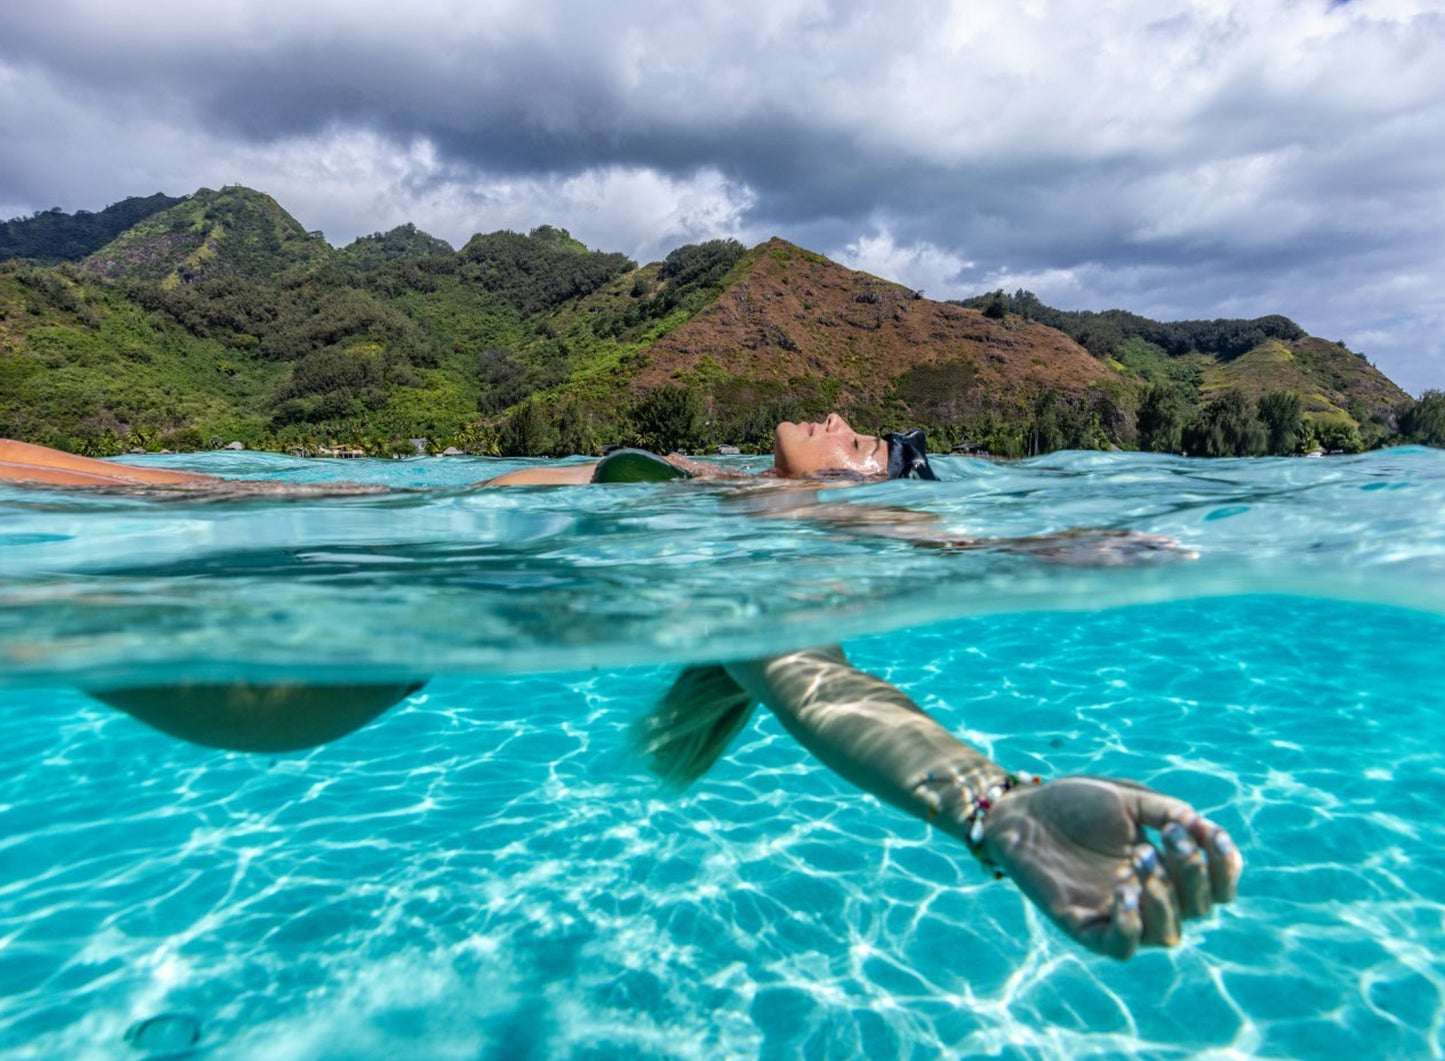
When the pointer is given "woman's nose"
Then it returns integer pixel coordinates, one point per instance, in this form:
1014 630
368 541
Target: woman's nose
834 422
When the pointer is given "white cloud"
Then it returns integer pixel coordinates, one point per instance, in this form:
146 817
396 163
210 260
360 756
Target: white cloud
1057 287
921 265
628 207
351 183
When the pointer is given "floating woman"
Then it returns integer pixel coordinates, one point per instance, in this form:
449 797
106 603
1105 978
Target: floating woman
828 448
1080 848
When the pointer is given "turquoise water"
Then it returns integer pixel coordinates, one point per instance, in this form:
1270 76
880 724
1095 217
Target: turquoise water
485 872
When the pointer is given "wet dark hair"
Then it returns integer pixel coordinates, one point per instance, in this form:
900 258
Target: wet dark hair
908 455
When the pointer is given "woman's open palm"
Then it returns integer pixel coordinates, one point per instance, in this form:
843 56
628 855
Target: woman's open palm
1077 848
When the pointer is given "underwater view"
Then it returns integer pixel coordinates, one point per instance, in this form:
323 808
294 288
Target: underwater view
488 870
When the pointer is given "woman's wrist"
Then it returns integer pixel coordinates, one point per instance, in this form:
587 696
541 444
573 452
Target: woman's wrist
959 800
948 795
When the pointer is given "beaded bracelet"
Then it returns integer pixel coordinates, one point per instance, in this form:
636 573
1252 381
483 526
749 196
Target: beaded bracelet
979 806
982 805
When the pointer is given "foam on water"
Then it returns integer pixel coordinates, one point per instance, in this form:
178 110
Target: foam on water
485 873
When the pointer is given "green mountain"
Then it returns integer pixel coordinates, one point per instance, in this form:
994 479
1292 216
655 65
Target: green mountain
1199 361
53 236
222 317
404 241
218 317
232 232
1102 334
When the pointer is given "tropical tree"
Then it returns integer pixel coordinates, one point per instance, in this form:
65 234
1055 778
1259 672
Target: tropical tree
1160 419
1423 421
668 418
576 430
525 434
1282 415
1339 436
1226 427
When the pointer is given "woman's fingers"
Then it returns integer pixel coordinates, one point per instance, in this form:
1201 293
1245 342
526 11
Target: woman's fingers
1126 922
1115 933
1158 905
1189 871
1225 863
1158 811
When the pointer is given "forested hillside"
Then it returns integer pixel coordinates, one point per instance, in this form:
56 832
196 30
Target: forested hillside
218 317
404 241
53 236
1202 382
234 232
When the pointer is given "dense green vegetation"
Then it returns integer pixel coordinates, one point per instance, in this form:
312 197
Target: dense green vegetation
53 236
538 271
84 368
404 241
1160 420
1423 422
1103 333
231 232
224 320
218 317
1229 387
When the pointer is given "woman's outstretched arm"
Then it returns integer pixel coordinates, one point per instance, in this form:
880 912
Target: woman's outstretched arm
25 463
1075 846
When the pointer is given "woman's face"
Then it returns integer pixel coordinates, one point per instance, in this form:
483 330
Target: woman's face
806 449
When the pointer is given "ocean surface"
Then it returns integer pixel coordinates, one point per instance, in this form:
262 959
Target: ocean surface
486 871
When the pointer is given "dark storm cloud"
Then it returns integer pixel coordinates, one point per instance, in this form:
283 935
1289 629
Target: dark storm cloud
1278 156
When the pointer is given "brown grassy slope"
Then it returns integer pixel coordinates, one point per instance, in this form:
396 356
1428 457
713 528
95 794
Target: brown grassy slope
791 314
1324 374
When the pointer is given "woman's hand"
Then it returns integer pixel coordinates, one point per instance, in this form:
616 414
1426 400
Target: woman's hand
1077 848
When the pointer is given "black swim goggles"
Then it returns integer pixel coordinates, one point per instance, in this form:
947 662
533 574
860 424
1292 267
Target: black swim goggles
908 455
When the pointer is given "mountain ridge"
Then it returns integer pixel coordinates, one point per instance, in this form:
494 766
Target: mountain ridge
53 236
232 231
220 315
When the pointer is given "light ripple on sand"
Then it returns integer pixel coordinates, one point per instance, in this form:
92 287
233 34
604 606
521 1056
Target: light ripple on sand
483 873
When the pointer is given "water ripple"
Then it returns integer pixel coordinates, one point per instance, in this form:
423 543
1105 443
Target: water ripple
484 873
114 589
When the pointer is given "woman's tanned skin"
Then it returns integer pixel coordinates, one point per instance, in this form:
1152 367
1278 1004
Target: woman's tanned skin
798 450
24 463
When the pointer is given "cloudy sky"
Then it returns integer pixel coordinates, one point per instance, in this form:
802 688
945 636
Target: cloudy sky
1178 158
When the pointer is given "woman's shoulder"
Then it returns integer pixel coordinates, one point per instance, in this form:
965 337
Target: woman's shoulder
567 475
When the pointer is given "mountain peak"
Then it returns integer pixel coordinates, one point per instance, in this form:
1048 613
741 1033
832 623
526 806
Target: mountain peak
790 313
403 241
233 231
